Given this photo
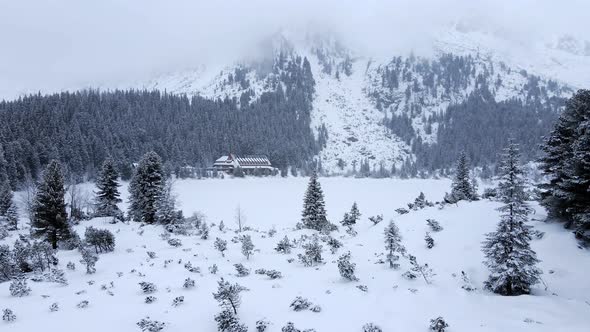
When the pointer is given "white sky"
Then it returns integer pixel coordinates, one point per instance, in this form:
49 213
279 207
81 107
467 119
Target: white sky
56 44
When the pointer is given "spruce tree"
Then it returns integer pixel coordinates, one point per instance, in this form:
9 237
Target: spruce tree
567 164
146 188
508 253
108 194
393 244
50 220
314 210
5 197
461 187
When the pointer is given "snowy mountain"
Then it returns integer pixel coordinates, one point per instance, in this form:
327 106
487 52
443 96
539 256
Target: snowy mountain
362 100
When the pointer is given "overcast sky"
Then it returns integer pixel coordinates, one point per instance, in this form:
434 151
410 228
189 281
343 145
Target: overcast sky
57 44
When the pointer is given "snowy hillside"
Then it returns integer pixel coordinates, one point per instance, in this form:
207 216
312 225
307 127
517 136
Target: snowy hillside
116 302
356 96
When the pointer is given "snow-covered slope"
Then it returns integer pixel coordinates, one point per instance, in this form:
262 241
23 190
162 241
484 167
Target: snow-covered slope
116 302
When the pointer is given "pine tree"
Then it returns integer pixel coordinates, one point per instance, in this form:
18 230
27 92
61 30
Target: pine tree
12 217
247 246
146 188
461 187
228 295
393 244
108 194
314 210
508 253
6 197
352 217
346 267
566 163
50 218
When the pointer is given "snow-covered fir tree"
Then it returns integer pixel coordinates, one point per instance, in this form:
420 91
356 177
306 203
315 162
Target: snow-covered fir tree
393 244
313 253
6 197
107 195
352 217
314 210
89 258
346 267
12 217
566 162
462 188
50 220
284 246
166 212
146 188
227 321
509 257
247 246
220 245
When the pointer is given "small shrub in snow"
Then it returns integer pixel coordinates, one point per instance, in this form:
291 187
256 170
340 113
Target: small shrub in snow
334 244
466 282
101 239
247 246
402 211
241 270
228 295
290 327
346 268
316 308
423 270
489 193
272 232
313 253
54 307
221 226
150 299
370 327
434 225
57 276
376 219
175 242
151 254
260 271
262 325
220 245
438 324
351 231
189 267
147 287
8 316
89 259
188 283
204 231
71 266
213 269
228 322
284 246
178 301
83 304
409 275
429 241
300 304
19 288
274 274
147 325
363 288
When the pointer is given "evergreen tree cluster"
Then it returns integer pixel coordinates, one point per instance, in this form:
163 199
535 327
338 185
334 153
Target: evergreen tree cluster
566 162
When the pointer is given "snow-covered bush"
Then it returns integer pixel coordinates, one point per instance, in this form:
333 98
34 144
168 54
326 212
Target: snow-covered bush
19 288
402 211
370 327
274 274
262 325
376 219
315 308
83 304
420 203
434 225
213 269
334 244
71 266
189 267
346 267
290 327
272 232
363 288
101 239
300 304
466 282
151 254
221 226
148 325
188 283
423 270
352 217
228 322
147 287
175 242
89 259
8 316
57 276
241 270
284 246
220 245
178 301
429 240
247 246
228 295
489 193
313 253
150 299
54 307
409 275
260 271
438 324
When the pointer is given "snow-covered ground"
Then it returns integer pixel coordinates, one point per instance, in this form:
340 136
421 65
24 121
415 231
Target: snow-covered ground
392 302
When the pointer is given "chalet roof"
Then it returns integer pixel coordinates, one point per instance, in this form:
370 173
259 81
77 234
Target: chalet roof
246 161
